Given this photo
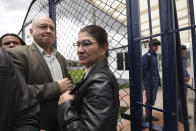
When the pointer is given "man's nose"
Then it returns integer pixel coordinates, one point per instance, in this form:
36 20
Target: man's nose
49 30
12 44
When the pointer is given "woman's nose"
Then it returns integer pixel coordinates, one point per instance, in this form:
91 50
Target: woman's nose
80 49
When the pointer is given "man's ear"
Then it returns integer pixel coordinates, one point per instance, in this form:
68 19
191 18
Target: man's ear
31 31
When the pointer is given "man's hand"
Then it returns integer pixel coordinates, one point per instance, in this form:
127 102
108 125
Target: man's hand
64 84
65 97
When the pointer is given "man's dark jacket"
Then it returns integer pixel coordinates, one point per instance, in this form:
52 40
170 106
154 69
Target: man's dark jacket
31 64
150 70
18 110
96 103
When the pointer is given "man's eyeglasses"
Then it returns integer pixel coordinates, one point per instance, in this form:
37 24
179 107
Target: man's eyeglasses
9 42
84 43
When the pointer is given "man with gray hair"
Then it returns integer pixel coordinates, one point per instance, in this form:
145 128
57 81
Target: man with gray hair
44 69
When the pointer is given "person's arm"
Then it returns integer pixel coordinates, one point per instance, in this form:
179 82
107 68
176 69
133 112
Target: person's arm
42 92
50 90
145 64
26 111
20 112
46 91
95 111
186 74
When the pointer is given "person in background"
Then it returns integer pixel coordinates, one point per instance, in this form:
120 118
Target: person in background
184 62
186 80
94 103
44 70
151 77
18 110
11 40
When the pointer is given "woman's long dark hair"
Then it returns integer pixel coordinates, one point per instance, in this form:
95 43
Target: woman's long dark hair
98 33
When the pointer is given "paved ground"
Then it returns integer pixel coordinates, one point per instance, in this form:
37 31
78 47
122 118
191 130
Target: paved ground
125 124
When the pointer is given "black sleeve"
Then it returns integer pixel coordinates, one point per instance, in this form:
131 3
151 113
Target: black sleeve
26 108
26 113
19 111
145 64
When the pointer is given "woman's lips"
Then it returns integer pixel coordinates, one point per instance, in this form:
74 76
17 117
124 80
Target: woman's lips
82 57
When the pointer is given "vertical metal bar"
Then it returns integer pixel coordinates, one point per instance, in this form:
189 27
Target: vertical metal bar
149 17
192 17
180 74
169 65
151 65
52 15
23 33
134 51
93 12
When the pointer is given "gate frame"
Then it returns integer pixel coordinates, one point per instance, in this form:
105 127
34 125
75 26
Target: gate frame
134 51
168 59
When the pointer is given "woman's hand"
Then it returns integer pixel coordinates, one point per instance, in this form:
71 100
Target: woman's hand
65 97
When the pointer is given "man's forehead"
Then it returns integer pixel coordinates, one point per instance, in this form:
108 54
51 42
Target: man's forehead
13 38
43 20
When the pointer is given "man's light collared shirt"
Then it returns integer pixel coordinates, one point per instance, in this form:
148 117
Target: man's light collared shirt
52 62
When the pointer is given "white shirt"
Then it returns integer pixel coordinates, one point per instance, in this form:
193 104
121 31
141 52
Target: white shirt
87 70
52 62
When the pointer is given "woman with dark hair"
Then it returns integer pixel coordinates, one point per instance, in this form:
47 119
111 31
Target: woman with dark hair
94 103
11 40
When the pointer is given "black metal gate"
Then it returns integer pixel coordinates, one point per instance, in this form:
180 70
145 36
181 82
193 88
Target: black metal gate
171 63
122 19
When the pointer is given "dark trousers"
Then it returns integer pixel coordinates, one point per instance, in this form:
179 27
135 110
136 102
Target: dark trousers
150 99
